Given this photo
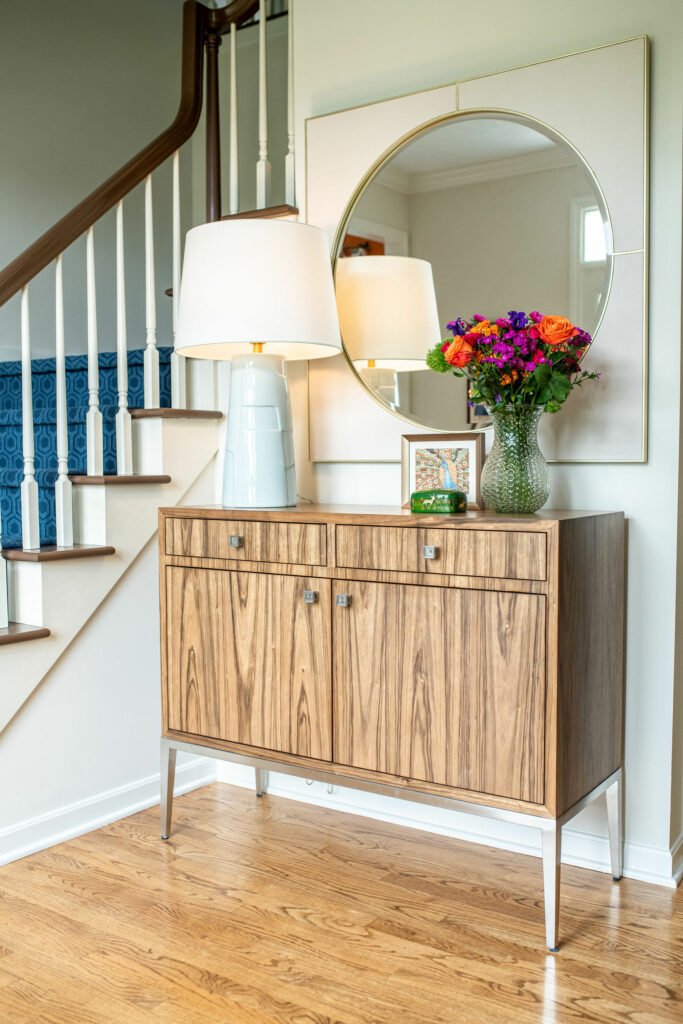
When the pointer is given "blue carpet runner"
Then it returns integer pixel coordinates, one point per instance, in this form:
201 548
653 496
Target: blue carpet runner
45 428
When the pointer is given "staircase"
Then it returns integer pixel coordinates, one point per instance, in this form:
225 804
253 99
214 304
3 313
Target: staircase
45 429
91 445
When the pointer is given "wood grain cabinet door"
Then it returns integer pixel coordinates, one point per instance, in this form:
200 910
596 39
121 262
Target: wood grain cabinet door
441 685
248 659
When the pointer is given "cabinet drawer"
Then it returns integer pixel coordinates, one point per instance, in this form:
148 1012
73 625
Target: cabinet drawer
293 543
501 555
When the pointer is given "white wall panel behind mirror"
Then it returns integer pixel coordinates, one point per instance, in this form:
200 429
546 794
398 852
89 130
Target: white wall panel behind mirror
586 99
597 100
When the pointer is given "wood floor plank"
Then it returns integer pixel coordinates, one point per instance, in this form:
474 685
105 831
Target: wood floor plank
272 912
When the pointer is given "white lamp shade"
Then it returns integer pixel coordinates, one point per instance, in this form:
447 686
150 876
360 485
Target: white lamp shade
257 280
387 310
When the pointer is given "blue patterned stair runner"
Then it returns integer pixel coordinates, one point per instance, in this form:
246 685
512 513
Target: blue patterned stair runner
45 428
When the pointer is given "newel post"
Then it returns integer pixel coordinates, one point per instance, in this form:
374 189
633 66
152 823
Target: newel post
213 142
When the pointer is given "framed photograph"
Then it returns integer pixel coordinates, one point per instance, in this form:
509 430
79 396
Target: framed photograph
448 461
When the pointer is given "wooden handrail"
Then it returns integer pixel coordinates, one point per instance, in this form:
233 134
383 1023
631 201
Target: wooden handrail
198 22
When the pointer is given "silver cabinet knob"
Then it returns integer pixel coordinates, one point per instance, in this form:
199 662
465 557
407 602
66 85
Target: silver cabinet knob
429 551
310 596
343 600
236 541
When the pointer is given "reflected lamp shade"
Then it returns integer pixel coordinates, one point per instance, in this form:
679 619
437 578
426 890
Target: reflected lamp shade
387 310
256 292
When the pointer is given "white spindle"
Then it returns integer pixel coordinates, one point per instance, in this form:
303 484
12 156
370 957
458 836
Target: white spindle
124 440
234 152
4 610
30 528
262 166
178 364
290 189
151 352
63 498
93 420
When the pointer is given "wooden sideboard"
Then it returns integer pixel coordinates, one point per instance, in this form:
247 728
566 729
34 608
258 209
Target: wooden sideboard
471 661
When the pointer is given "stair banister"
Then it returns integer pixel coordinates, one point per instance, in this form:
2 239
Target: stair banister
63 497
234 144
178 364
198 21
151 357
262 165
30 524
93 419
290 186
124 433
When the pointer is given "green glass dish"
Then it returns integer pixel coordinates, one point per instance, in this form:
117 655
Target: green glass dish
438 500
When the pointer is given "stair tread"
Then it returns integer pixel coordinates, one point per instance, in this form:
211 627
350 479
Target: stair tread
16 632
160 478
176 414
51 553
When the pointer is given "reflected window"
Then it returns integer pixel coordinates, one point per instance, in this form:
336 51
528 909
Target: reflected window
593 248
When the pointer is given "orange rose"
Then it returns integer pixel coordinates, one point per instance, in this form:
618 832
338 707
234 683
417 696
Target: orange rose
556 329
459 352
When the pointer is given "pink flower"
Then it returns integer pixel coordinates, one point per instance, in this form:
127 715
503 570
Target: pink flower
535 316
445 344
533 333
538 357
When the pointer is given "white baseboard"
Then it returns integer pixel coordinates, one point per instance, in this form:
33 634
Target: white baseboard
26 837
646 863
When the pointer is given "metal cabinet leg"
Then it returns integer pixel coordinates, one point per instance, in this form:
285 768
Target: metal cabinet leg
168 756
615 826
260 776
552 845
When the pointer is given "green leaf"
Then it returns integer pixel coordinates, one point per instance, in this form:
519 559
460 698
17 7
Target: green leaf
560 386
436 360
542 374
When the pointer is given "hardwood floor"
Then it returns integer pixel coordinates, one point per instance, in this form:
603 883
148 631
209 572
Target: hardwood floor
263 911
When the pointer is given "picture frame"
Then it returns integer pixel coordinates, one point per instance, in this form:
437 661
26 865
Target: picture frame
449 461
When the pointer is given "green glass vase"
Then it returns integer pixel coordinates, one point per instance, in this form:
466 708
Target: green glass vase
515 477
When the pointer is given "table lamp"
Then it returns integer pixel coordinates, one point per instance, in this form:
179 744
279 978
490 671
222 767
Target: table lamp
257 292
387 311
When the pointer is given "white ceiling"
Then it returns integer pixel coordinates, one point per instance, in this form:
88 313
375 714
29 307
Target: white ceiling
461 142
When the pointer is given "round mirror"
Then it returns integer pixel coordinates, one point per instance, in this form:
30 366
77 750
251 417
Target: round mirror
495 212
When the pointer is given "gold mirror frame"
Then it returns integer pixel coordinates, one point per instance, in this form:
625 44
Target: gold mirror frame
471 114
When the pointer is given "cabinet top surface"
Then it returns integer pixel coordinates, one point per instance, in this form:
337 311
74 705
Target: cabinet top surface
382 515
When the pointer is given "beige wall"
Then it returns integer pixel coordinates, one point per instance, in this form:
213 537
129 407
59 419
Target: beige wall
498 245
383 49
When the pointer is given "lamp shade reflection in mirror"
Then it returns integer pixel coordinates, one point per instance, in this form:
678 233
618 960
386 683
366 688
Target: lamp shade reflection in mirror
507 215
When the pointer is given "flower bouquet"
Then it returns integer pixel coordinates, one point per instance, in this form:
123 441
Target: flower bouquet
518 366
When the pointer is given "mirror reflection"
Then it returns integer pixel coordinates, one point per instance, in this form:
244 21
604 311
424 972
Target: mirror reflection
504 216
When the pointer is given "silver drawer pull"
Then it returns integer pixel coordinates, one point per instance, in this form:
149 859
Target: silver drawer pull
343 600
236 541
310 596
429 551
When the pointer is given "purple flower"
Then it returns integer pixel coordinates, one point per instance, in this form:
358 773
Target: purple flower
530 367
535 316
458 326
518 320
